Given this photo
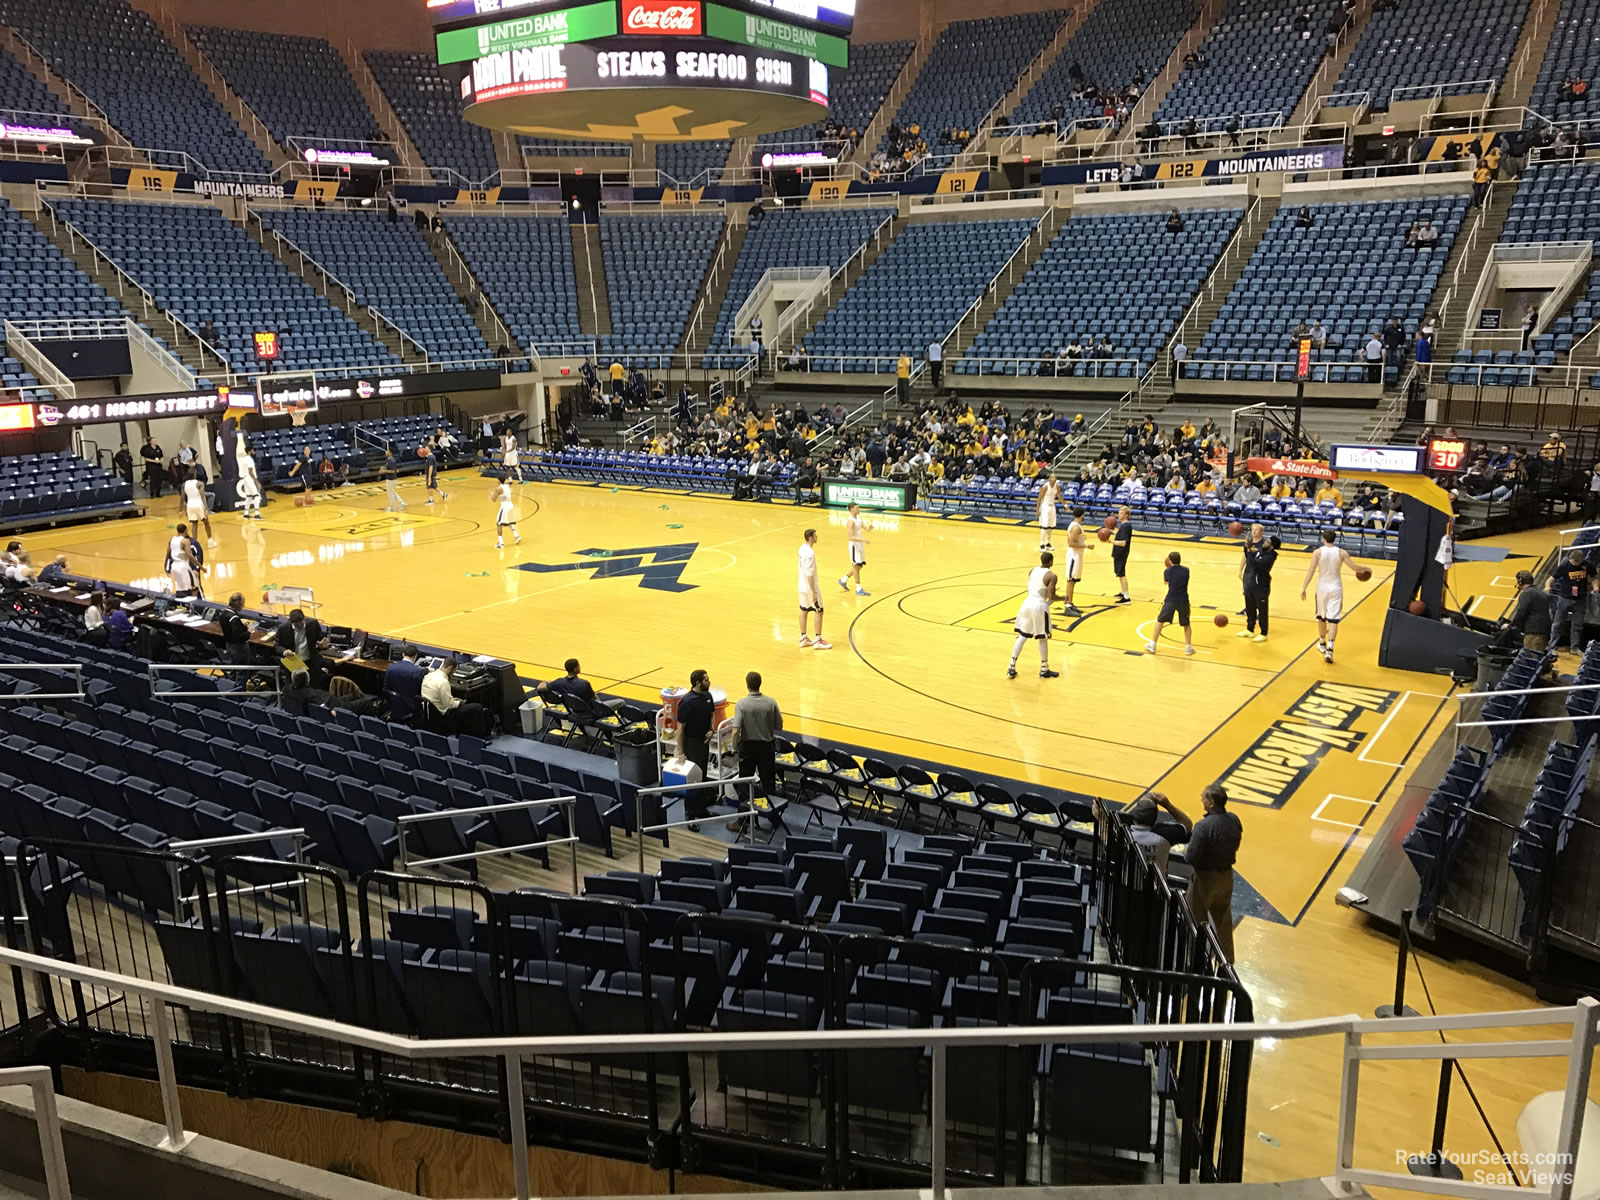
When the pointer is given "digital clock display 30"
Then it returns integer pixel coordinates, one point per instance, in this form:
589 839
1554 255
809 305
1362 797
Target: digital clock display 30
1447 454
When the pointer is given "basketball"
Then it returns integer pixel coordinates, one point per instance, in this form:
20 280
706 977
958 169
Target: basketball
1417 608
1220 620
1105 534
1167 562
299 501
1110 523
1363 574
1235 529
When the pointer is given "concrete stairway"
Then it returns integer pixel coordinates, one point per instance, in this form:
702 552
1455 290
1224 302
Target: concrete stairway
476 301
884 117
185 348
507 156
1214 293
1528 55
713 293
1333 65
842 284
1167 78
325 285
202 66
388 120
589 270
77 102
1452 331
976 151
961 340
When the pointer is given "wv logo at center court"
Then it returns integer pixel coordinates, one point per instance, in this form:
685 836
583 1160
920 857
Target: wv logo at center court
661 572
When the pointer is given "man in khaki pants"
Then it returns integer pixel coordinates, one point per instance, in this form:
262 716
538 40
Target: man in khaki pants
1212 847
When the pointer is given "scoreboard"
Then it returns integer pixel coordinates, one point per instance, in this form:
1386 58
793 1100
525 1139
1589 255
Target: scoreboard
467 30
1447 454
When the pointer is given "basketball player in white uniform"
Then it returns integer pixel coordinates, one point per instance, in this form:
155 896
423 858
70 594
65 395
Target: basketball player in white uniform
1033 618
810 592
854 530
504 514
194 504
1327 567
248 489
1077 547
1049 497
511 457
181 567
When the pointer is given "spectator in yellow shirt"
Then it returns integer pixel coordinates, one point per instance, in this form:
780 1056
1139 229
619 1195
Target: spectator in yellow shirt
1187 429
1281 489
1206 488
618 374
967 418
1328 494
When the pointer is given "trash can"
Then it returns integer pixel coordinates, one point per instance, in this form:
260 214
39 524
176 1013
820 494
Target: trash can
636 758
532 715
1492 664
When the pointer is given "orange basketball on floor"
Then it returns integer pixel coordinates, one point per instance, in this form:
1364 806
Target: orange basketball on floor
1110 522
1235 528
1417 608
1363 574
1220 620
299 501
1104 534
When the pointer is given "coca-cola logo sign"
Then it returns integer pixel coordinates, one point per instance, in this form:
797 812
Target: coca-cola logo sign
660 16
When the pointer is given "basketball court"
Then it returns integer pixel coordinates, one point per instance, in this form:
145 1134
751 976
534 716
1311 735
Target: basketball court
644 586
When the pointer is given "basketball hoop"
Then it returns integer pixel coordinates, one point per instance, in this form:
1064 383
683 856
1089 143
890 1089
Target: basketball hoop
297 417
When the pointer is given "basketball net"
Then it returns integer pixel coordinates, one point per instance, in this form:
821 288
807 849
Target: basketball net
297 417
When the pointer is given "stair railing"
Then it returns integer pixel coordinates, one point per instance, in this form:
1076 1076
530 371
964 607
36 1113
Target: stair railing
1020 88
1530 26
1040 234
367 83
713 278
380 321
129 287
457 263
801 318
1208 289
1173 68
878 124
40 65
233 102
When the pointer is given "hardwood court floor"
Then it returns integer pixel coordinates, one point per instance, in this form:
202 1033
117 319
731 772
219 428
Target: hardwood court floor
1314 754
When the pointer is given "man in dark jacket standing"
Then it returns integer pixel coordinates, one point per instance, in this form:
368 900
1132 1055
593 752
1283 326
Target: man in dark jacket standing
1531 616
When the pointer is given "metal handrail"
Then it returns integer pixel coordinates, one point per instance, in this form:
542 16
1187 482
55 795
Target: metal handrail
569 802
1208 289
797 313
154 669
255 128
1577 1048
52 1152
1192 39
712 279
467 276
1007 269
29 697
40 65
20 347
1020 87
640 828
126 281
329 277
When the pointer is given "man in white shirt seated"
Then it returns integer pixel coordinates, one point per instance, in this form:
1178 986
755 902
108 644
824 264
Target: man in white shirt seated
447 713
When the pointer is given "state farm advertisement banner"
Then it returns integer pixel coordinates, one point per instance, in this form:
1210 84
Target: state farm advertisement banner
1291 466
661 16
